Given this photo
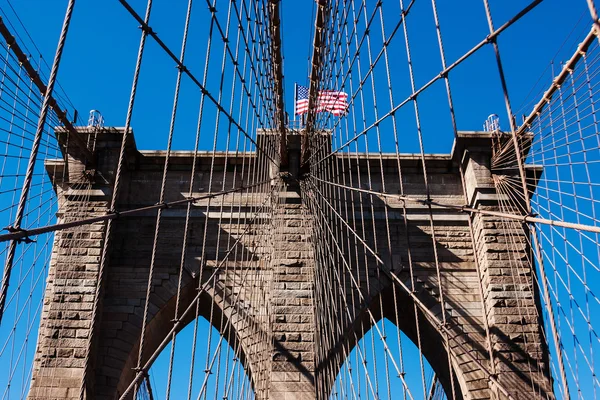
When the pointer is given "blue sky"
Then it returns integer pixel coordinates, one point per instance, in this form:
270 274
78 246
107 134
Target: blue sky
100 55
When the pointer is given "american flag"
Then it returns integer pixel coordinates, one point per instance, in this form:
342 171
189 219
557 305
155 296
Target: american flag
301 99
327 100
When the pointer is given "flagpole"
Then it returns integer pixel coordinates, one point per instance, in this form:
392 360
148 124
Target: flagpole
295 95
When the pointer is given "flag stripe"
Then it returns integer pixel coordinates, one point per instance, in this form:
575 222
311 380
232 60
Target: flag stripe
327 101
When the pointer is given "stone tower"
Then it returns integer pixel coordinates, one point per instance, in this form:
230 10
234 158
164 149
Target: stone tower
487 309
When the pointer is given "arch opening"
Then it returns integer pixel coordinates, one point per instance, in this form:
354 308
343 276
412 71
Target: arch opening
386 364
205 366
212 353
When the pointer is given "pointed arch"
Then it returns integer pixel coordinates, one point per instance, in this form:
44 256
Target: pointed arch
419 333
212 315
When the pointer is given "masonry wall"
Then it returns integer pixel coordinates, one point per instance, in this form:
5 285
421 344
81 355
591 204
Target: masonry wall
70 297
277 333
66 318
293 357
514 322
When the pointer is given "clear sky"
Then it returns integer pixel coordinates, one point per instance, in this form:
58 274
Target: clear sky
98 64
100 55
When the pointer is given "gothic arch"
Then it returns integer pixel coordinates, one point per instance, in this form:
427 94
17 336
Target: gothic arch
160 326
120 327
433 349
